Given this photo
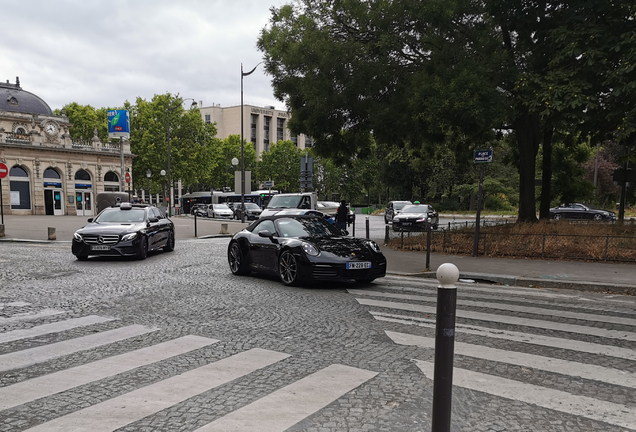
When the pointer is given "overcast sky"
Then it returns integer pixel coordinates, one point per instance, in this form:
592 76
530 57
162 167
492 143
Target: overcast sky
102 53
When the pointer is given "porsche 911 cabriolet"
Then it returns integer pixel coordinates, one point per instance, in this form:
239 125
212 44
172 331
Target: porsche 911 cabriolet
303 248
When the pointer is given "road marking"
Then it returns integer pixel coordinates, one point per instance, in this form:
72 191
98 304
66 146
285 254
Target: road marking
130 407
554 342
605 412
284 408
30 316
549 325
28 357
52 328
548 364
36 388
506 307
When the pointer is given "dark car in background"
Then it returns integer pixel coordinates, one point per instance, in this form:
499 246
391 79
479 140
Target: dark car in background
414 217
251 210
124 230
580 211
392 209
300 248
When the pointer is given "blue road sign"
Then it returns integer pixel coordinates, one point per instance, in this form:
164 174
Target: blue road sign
118 124
483 156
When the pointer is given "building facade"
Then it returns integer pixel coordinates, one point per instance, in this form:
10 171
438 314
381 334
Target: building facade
262 126
49 173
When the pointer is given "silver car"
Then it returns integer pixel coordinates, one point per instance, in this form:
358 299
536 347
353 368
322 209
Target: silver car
414 217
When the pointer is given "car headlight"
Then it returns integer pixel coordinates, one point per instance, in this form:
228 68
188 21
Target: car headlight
310 249
374 246
129 237
77 236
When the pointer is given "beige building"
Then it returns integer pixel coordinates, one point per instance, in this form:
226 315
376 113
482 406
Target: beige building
262 126
49 173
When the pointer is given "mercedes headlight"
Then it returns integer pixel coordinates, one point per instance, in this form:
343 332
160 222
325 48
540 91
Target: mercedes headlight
310 249
129 237
77 236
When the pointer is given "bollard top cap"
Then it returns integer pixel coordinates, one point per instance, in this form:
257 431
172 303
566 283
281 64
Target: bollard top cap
447 275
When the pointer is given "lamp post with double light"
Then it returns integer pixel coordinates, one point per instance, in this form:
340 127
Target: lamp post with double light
168 109
243 74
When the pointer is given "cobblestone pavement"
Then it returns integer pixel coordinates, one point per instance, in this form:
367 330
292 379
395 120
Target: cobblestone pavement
177 343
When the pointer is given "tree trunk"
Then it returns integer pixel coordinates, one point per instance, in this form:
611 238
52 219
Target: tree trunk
527 132
546 177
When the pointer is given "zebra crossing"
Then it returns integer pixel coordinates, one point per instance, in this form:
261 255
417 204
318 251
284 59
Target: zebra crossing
277 411
576 340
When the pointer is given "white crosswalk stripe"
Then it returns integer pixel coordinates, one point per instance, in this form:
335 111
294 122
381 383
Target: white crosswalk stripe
501 307
274 412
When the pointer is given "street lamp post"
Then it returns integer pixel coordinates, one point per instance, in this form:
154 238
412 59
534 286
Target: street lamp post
163 182
148 175
243 74
168 109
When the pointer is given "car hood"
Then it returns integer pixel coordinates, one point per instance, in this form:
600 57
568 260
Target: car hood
344 247
111 228
412 216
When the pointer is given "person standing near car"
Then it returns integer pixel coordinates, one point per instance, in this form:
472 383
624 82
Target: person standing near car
341 215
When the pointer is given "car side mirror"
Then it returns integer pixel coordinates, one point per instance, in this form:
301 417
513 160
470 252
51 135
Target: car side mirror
90 219
267 234
344 232
153 220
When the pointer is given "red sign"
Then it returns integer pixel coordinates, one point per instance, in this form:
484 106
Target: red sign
127 177
4 171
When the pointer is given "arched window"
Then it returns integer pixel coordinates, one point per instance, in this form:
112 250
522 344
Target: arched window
51 173
82 175
111 177
20 188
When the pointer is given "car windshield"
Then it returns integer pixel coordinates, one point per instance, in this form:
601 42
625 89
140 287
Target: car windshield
306 227
221 207
399 205
116 215
252 206
415 209
281 201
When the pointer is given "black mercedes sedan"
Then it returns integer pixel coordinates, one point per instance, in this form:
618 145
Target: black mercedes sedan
303 248
414 217
580 211
124 230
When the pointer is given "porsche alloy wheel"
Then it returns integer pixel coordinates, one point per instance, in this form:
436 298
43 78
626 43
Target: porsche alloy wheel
288 268
236 261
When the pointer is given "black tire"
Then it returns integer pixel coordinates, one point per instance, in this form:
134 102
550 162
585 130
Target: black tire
169 247
236 260
142 252
288 268
81 257
557 216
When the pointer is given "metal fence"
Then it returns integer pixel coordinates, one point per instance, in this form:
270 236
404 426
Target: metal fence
557 246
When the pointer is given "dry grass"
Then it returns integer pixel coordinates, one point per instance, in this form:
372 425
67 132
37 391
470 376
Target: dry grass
546 239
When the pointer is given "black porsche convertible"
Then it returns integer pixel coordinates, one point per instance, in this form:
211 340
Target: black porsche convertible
303 248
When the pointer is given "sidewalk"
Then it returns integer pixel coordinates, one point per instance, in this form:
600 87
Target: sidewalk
596 276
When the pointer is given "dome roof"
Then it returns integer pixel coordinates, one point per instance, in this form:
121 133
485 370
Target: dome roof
13 98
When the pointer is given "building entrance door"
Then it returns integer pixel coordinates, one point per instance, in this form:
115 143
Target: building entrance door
84 203
53 203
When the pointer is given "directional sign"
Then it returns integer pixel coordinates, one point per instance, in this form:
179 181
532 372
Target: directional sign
483 156
127 177
268 184
4 171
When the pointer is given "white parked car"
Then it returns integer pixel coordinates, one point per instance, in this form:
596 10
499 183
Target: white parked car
221 211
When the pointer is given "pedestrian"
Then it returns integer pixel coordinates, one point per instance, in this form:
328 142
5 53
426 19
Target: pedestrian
341 216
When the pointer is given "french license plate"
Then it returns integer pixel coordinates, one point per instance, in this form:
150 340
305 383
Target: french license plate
100 248
358 265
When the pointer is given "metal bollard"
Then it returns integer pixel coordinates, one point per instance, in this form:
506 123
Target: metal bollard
195 224
428 245
52 235
224 228
367 226
447 275
2 230
386 235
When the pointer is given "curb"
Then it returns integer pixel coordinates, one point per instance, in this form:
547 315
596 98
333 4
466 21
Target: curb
519 281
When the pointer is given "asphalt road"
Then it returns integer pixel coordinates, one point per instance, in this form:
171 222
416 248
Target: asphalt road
177 343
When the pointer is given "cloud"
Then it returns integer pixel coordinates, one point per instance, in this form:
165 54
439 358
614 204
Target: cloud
102 53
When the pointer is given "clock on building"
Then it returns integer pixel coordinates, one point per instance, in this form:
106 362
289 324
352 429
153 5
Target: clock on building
51 129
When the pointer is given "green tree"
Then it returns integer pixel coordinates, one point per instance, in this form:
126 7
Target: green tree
224 151
85 120
282 165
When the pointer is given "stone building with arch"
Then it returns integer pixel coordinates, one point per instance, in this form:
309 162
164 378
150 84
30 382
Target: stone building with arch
49 173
